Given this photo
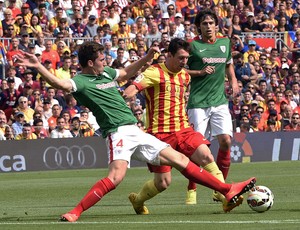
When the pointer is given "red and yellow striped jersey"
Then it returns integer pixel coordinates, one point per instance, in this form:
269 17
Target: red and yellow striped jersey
164 91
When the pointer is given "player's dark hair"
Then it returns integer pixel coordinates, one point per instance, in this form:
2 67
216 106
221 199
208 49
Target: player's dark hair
177 44
202 15
89 51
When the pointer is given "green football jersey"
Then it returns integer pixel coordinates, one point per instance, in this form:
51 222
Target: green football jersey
207 91
100 95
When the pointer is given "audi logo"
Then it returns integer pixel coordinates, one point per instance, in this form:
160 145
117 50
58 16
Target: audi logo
64 157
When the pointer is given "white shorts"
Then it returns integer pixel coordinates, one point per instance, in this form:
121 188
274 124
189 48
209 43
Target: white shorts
129 141
212 121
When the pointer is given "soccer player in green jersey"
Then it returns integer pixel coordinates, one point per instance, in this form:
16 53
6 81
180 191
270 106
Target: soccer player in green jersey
210 59
95 87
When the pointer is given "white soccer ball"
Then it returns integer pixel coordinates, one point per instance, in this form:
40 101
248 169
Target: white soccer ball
260 198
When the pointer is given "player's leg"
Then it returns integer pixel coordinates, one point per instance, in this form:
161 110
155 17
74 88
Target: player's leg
169 156
150 189
221 127
117 171
120 147
199 120
161 181
195 147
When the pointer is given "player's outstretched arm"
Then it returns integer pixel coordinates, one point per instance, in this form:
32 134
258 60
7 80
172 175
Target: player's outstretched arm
30 60
132 69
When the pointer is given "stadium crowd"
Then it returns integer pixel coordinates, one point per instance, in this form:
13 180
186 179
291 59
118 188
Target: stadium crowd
269 78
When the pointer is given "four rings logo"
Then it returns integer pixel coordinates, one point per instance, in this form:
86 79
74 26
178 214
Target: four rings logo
64 157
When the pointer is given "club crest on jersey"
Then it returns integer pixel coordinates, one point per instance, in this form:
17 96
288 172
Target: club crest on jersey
223 49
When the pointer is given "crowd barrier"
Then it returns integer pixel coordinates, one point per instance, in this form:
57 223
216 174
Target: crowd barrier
90 152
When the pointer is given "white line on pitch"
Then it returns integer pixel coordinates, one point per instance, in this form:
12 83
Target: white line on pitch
297 221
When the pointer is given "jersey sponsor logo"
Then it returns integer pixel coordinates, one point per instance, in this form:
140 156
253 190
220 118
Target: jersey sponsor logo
223 49
106 86
214 60
139 78
202 50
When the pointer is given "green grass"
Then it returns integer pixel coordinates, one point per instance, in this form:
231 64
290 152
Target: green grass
35 200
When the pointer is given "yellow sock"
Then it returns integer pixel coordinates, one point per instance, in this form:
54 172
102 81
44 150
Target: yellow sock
213 169
148 191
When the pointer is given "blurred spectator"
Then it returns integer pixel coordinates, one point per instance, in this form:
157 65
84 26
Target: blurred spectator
64 71
17 126
78 29
7 24
44 19
244 127
50 54
28 81
86 122
250 25
255 123
9 96
271 126
9 133
67 116
23 107
154 34
235 107
26 133
288 94
60 131
287 116
245 113
56 110
244 72
15 9
190 11
75 127
87 115
295 123
3 122
91 27
64 28
295 90
282 13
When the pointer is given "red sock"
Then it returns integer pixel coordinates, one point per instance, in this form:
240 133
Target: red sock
94 195
192 185
223 162
200 176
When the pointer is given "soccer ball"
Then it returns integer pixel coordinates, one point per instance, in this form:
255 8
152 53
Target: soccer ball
260 198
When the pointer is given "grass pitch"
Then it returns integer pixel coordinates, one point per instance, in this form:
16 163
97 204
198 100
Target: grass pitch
35 200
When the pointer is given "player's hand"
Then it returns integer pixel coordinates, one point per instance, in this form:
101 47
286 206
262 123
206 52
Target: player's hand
26 59
235 90
209 70
151 52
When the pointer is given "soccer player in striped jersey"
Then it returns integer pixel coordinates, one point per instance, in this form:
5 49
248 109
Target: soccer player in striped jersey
165 86
210 58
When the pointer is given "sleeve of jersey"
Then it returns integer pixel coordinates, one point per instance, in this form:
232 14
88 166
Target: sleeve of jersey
76 85
113 73
147 79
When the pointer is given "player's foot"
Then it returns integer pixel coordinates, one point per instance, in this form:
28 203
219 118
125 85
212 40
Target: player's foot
69 217
191 197
140 209
228 206
238 189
